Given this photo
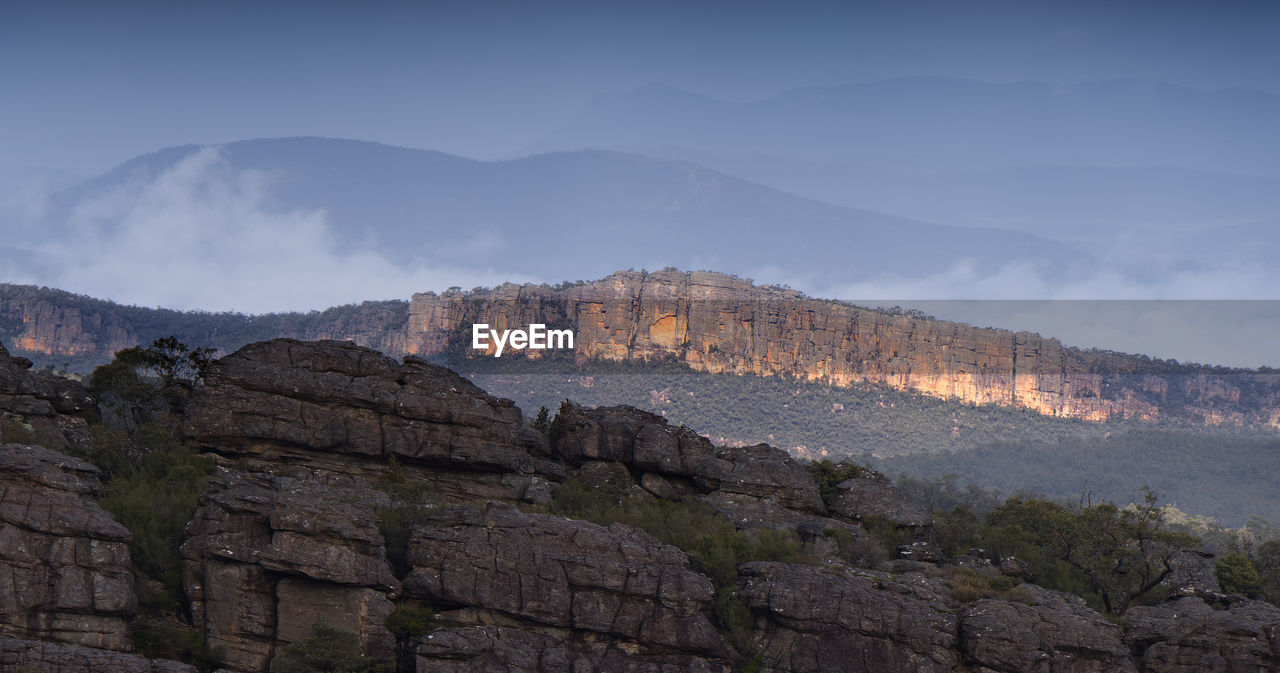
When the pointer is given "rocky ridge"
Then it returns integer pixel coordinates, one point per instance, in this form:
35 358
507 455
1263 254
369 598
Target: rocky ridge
712 323
292 531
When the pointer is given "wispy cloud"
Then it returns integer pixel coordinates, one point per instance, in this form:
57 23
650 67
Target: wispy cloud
203 235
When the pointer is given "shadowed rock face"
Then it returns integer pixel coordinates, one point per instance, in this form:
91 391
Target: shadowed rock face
65 569
810 620
39 408
288 536
266 558
1057 635
1187 635
550 571
30 655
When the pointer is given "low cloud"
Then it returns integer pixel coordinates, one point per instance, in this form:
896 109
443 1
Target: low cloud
204 236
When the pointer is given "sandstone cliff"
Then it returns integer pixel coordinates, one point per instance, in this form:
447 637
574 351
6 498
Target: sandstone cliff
718 323
709 321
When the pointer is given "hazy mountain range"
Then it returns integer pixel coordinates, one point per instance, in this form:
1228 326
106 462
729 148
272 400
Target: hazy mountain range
911 188
1072 163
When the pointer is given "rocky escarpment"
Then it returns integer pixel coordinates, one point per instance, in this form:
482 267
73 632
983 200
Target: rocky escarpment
712 323
718 323
319 442
58 327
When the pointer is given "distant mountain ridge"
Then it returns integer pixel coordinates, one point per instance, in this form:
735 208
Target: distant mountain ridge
1072 163
576 215
711 322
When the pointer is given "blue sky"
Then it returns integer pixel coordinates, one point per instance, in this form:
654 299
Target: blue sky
88 85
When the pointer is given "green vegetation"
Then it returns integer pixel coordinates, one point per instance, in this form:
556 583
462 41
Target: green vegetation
408 622
223 332
969 585
1230 478
411 504
329 650
827 475
153 484
1112 557
164 638
714 545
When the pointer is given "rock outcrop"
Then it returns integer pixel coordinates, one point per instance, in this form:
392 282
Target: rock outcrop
713 323
872 494
267 558
39 408
544 571
1187 635
41 321
65 569
340 408
21 656
1056 633
292 533
811 620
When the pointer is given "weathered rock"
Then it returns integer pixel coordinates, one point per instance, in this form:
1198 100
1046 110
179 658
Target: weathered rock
761 471
339 407
38 408
722 324
627 435
810 620
1194 574
1058 634
481 649
65 570
1188 636
548 570
268 557
32 655
872 494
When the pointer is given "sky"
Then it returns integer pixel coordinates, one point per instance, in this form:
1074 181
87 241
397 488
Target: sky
89 85
85 86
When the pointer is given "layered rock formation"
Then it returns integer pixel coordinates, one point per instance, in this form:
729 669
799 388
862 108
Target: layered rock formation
267 558
339 408
39 408
718 323
64 562
293 532
713 323
544 575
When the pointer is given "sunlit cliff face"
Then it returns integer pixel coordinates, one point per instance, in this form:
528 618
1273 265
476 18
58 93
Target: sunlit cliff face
721 324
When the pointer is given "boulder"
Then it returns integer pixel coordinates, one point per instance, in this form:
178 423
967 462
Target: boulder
1187 635
1057 634
623 434
337 407
40 408
872 494
764 472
